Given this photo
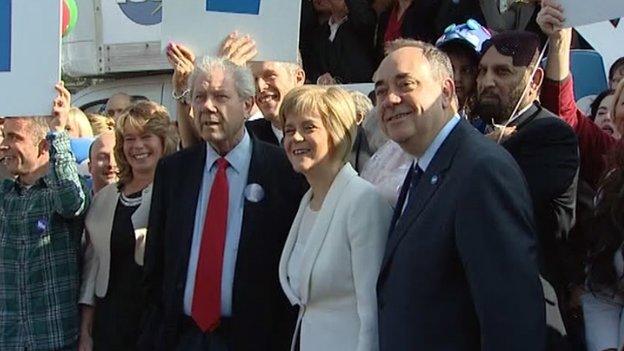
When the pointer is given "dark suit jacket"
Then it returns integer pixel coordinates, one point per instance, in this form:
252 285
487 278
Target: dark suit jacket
460 268
546 149
262 319
350 58
261 130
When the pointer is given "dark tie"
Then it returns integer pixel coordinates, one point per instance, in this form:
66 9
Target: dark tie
411 180
206 306
412 195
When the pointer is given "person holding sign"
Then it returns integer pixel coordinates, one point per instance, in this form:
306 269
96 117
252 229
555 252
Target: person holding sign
40 230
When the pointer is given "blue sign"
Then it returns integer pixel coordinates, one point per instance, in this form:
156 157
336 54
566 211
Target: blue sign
5 35
251 7
145 12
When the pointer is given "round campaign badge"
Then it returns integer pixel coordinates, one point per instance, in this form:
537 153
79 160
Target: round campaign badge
254 192
145 12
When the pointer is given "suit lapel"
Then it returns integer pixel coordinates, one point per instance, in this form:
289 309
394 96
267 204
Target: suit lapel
528 116
428 185
188 193
288 248
321 226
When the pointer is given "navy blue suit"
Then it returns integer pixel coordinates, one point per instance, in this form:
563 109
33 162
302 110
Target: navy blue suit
460 269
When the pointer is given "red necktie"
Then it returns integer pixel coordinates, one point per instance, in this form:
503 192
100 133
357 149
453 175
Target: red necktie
206 307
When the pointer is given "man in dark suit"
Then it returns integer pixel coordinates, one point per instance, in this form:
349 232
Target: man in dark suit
543 145
460 268
341 49
273 81
221 211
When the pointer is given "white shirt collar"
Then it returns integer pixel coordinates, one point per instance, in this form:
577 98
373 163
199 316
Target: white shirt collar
279 134
333 27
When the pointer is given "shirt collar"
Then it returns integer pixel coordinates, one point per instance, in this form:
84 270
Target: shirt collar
238 157
424 160
331 21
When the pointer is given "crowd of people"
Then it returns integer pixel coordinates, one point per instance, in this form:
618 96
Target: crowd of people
467 203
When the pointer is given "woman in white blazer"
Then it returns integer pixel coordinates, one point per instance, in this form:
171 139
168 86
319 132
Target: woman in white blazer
333 253
116 226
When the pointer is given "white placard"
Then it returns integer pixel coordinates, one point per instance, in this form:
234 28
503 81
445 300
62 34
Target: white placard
32 44
603 37
275 27
131 21
581 12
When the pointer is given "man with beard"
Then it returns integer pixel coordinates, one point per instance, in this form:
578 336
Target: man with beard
544 146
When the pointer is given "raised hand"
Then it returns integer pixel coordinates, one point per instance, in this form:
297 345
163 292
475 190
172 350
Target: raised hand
551 18
60 109
182 60
238 49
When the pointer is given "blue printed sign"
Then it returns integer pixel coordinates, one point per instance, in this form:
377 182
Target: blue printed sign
5 36
202 25
144 12
251 7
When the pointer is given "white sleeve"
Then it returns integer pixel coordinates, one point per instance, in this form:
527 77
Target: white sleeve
602 322
368 225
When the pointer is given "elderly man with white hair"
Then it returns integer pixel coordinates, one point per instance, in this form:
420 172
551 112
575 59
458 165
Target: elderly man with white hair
220 214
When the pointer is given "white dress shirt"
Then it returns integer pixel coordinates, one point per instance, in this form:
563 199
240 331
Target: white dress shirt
296 257
237 171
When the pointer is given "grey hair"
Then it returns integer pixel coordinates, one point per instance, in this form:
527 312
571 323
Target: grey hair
243 79
37 126
438 60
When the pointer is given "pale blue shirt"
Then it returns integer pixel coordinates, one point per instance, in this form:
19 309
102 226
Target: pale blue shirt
238 159
426 158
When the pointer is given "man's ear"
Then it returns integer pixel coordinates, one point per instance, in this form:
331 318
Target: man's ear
248 105
299 77
448 93
537 79
43 147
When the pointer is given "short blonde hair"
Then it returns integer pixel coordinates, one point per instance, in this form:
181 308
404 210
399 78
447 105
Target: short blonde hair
336 109
149 117
100 123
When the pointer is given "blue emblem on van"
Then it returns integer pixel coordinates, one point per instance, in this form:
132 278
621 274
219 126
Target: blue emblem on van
144 12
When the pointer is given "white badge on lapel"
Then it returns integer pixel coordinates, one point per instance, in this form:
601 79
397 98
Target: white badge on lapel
254 192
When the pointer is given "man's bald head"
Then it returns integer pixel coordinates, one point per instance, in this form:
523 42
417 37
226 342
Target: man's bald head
117 103
102 164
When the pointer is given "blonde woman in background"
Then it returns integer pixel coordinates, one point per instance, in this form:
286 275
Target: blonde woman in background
100 123
78 125
331 259
116 226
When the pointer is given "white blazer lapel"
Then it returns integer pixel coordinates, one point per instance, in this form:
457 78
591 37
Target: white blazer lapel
139 224
321 227
288 248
